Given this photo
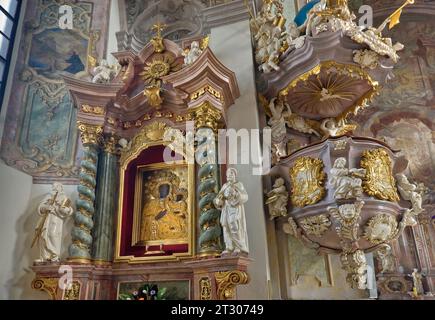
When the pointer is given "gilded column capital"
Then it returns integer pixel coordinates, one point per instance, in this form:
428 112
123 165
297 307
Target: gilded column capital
226 282
48 285
90 133
109 144
206 116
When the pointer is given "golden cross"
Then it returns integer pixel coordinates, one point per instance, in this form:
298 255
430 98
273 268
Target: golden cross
158 28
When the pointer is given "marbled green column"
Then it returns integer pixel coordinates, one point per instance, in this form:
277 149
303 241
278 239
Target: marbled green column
106 201
210 231
80 249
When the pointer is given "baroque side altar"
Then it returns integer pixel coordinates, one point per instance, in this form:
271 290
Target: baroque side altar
141 220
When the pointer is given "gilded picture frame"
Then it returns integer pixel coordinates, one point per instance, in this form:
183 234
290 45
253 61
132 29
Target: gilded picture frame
151 136
168 216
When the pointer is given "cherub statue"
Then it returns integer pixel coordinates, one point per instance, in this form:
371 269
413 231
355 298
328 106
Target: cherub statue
411 192
346 182
53 209
333 128
193 54
231 199
104 73
298 123
125 144
277 199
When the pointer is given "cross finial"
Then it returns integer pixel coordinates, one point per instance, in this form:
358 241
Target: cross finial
158 28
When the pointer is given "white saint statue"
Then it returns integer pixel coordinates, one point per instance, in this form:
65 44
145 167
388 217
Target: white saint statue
231 199
104 73
52 210
346 182
277 199
193 54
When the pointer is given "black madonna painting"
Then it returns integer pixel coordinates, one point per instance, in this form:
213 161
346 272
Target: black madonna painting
162 205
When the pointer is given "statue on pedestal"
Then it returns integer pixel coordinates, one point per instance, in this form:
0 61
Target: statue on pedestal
53 209
231 199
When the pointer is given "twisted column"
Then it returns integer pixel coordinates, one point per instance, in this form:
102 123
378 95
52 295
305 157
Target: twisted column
79 250
107 182
210 232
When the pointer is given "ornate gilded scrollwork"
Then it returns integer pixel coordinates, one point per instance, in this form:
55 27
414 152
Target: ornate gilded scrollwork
205 289
379 181
48 285
73 293
199 93
227 281
90 134
316 225
96 110
206 116
110 143
149 135
381 228
307 179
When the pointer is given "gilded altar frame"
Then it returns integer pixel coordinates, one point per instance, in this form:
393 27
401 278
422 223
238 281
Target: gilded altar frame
138 201
152 135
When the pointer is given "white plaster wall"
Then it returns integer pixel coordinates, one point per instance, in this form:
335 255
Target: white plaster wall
232 46
114 27
19 199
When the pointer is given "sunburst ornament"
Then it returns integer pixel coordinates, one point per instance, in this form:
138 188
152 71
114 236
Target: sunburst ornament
160 66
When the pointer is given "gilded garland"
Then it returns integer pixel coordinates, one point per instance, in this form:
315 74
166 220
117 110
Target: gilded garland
379 181
307 178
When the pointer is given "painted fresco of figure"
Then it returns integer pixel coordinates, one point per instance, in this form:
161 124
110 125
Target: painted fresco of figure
76 64
231 200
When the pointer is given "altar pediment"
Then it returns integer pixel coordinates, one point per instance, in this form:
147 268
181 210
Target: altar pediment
155 83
